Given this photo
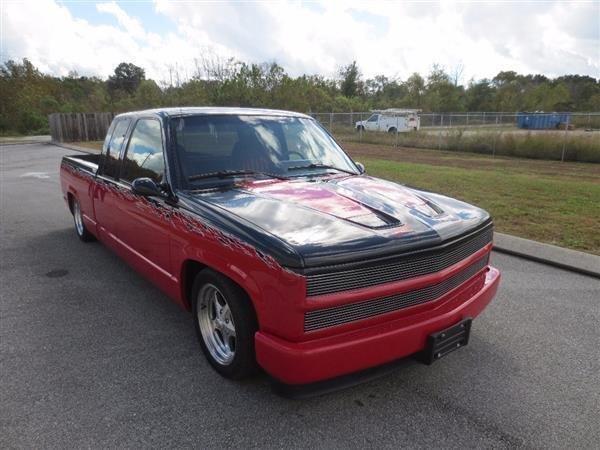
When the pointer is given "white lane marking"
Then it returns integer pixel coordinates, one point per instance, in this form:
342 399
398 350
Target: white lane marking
41 175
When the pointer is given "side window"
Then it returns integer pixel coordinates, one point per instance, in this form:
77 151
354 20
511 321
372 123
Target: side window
111 156
144 157
373 118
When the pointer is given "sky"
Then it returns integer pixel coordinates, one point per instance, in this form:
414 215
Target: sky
473 39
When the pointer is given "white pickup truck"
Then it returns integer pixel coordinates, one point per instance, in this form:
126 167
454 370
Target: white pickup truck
391 121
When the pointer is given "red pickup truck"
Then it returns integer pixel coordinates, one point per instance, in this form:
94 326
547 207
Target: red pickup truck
289 255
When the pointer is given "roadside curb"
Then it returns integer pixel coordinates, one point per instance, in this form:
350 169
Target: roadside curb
76 148
24 142
552 255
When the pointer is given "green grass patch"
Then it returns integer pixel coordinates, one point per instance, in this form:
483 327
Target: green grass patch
542 208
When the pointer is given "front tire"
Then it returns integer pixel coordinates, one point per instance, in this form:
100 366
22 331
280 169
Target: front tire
82 232
225 324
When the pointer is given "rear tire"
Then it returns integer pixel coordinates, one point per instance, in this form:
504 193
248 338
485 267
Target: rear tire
225 324
82 233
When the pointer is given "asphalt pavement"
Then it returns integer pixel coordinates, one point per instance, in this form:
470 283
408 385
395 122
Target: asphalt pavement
92 355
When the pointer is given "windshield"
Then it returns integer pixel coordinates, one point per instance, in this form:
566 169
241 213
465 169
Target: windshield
265 146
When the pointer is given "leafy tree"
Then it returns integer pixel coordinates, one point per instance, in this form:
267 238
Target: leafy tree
479 96
582 90
505 77
508 98
440 93
548 97
27 95
350 83
148 95
415 90
127 78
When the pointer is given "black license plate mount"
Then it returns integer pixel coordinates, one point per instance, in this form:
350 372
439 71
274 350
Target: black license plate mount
441 343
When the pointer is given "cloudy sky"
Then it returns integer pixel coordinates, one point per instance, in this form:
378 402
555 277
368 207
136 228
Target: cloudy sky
393 38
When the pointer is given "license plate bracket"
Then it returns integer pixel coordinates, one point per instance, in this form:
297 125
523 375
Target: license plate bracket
443 342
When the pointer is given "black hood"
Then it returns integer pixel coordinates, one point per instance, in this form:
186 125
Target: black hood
334 220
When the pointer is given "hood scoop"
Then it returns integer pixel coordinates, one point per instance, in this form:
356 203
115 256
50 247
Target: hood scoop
387 199
374 219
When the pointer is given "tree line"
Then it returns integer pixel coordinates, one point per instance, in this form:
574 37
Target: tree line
27 95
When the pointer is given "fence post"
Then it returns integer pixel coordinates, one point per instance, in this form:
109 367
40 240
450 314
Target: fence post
440 133
331 122
494 141
396 144
564 149
360 129
467 118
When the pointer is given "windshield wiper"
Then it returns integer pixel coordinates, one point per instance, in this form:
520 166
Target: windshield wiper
320 166
233 173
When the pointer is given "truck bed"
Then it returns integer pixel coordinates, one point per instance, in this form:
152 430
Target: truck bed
85 161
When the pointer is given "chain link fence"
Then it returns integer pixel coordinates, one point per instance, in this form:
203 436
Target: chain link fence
554 136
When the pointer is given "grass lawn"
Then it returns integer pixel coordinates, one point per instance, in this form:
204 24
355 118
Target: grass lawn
92 145
546 201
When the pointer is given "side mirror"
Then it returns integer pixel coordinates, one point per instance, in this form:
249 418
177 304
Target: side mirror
146 187
361 167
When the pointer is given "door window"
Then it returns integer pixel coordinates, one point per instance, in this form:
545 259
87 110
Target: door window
144 157
108 137
110 166
373 118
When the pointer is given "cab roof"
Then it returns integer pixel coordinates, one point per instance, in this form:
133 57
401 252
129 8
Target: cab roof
212 110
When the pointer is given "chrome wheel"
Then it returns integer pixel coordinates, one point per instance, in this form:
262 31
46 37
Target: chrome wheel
78 219
216 324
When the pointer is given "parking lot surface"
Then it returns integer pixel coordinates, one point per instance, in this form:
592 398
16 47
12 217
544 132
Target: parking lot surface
92 355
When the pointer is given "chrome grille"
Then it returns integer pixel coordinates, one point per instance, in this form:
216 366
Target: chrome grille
323 318
398 269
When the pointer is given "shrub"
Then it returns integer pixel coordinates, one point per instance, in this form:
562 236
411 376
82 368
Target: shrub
32 122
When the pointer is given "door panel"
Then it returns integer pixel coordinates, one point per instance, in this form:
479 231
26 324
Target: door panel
372 123
144 222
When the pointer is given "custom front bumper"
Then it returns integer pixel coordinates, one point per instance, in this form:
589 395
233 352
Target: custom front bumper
345 353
